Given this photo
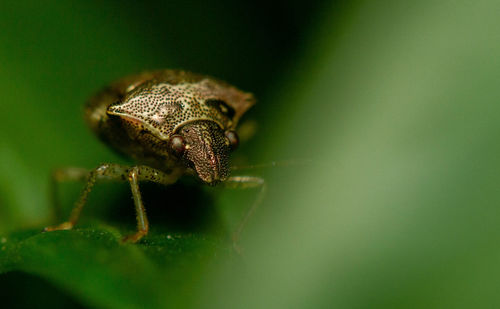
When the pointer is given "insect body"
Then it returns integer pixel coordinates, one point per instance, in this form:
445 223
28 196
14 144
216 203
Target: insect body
171 123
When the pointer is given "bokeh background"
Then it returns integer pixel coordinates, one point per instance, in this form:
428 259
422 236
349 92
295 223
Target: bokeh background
389 109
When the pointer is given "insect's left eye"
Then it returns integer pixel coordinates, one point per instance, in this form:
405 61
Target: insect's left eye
177 144
233 139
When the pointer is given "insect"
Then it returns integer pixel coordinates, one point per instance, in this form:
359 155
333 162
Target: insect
171 123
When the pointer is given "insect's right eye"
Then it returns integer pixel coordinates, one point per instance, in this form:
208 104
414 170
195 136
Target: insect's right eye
177 144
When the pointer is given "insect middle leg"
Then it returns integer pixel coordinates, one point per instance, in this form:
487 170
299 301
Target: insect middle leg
115 172
246 182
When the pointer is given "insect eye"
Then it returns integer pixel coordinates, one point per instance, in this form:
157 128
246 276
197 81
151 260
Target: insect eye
177 144
232 137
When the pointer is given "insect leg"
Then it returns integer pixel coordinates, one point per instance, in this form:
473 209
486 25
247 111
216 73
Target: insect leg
140 211
113 172
64 175
104 171
145 173
246 182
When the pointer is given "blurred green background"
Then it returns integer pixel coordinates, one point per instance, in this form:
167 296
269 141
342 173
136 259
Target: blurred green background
395 104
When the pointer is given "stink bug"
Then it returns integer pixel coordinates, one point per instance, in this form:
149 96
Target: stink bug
171 123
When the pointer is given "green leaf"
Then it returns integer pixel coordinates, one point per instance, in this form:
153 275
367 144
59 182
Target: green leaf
395 105
93 264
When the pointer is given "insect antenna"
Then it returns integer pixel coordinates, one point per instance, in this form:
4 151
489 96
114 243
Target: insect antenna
282 163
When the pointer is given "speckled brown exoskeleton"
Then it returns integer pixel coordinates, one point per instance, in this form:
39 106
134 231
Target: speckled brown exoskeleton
171 123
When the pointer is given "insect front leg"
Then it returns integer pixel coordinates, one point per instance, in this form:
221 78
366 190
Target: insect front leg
115 172
104 171
246 182
140 211
145 173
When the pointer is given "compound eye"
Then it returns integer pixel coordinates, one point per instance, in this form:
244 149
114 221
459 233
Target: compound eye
177 144
232 137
